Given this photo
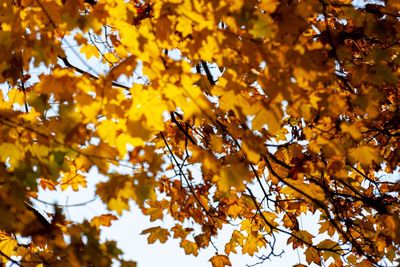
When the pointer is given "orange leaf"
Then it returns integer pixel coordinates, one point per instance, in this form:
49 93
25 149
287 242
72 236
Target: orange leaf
102 220
156 233
220 261
190 247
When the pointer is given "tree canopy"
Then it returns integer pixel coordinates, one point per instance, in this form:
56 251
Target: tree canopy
221 112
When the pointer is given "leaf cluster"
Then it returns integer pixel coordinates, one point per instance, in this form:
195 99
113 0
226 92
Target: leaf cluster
243 113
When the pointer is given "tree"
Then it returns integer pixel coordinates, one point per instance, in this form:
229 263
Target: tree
248 113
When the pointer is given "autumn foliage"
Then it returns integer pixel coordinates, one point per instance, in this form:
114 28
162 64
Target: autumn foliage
224 112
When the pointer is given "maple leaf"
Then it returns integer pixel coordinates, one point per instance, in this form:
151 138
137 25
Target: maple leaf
110 58
155 210
156 233
253 244
12 152
107 131
269 5
102 220
365 154
296 188
7 246
180 232
220 261
118 204
189 247
16 96
256 111
263 27
312 255
89 51
73 180
237 239
232 176
47 184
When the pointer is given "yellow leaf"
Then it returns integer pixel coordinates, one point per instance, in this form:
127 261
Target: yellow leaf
297 188
337 167
216 143
16 96
235 5
136 128
156 209
271 116
352 129
253 244
391 225
270 217
107 131
234 210
232 176
59 83
209 48
13 152
202 240
329 245
156 233
190 247
365 154
118 205
117 192
204 201
7 246
304 235
251 154
148 107
102 220
110 58
263 26
248 226
121 143
237 239
184 26
89 51
220 261
180 232
299 238
204 84
269 5
73 180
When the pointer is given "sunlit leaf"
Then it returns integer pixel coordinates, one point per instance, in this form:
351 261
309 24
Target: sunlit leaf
156 233
89 51
103 220
220 261
7 246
